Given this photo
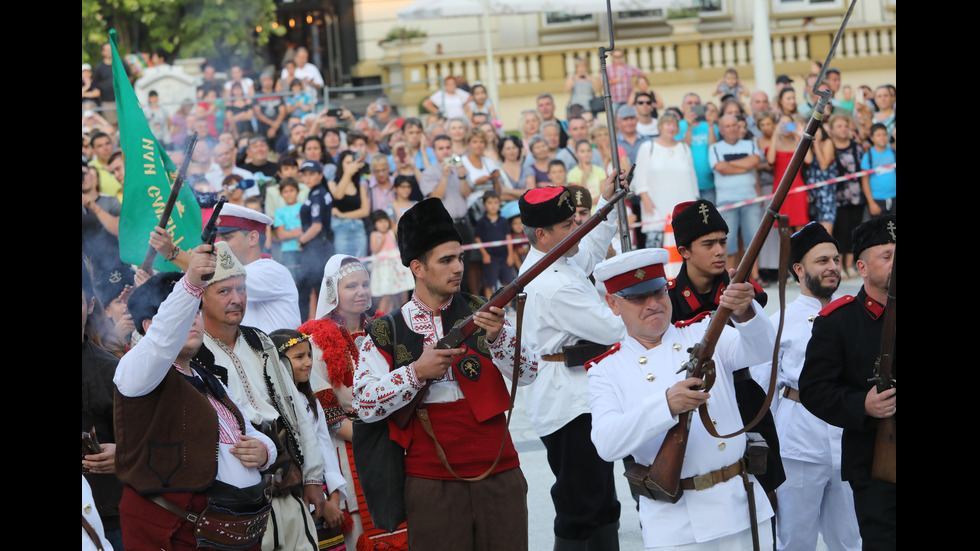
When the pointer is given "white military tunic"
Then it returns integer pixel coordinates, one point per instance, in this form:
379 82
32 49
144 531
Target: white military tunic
813 498
562 308
630 416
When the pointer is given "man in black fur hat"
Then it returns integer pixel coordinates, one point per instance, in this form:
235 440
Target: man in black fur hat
701 235
465 404
836 382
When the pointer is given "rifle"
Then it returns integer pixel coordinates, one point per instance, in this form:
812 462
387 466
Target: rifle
147 265
210 232
664 475
622 214
403 416
883 464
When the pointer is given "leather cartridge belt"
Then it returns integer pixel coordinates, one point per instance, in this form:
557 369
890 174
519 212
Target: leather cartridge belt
791 393
575 355
707 480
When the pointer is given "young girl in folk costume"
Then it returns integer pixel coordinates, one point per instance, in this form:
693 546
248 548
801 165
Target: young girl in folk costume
345 297
295 347
389 278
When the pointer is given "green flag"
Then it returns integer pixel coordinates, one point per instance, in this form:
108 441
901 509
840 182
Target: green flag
149 174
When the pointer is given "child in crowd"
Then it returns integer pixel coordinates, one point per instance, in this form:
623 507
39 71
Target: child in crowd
479 103
298 103
401 202
295 347
288 226
497 260
390 279
730 84
557 173
158 119
585 173
879 188
518 251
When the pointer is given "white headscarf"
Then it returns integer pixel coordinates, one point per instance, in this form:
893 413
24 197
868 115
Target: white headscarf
332 274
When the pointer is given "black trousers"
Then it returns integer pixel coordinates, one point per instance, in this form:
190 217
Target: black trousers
584 492
874 504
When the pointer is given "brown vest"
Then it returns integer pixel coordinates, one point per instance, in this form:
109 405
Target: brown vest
167 440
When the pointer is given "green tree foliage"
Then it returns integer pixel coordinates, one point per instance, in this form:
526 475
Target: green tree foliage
215 29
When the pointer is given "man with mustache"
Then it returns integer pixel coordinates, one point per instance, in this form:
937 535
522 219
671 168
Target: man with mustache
837 386
701 234
464 407
637 394
814 498
567 324
245 359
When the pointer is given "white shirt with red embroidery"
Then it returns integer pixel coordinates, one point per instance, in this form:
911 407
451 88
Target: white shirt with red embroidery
144 367
378 391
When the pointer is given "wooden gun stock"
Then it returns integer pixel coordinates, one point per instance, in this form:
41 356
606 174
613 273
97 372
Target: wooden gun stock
403 416
883 462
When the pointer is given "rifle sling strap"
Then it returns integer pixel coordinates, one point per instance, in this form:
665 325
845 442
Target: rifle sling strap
784 247
423 413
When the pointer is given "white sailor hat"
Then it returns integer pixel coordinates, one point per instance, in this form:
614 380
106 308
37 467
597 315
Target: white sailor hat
236 217
227 265
633 273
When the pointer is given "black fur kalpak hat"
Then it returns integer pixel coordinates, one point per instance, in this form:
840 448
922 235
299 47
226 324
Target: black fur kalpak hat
693 219
423 227
807 238
880 230
544 207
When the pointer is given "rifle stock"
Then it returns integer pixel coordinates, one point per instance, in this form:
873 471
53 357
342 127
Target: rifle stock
403 416
884 459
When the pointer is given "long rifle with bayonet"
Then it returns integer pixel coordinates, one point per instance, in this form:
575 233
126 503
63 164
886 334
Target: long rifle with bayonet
147 265
883 462
403 416
663 478
622 219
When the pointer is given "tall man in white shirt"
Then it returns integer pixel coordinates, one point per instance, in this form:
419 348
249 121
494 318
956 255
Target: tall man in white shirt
813 499
246 360
733 162
273 302
637 394
567 324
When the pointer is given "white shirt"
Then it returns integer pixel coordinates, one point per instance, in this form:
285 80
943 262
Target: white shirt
144 367
307 72
630 416
273 302
91 514
379 390
562 308
802 436
451 105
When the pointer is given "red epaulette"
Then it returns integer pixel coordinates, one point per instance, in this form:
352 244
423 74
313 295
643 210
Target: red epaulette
836 304
670 283
755 285
597 359
695 319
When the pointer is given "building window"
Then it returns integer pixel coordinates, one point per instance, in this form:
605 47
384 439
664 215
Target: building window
557 19
791 6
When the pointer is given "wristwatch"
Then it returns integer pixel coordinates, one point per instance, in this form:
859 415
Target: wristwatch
173 255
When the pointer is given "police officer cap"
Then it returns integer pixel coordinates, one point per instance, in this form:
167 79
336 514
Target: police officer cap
237 217
315 166
807 238
424 227
633 273
694 219
581 197
880 230
544 207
